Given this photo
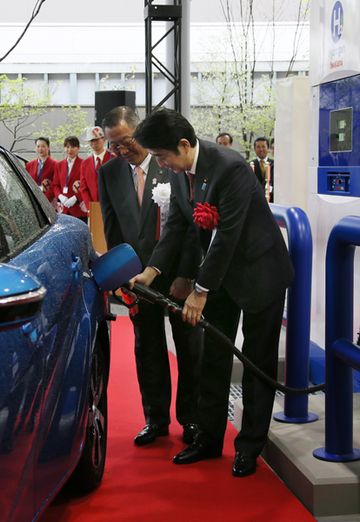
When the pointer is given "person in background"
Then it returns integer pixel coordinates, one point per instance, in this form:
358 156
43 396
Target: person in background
245 269
272 147
263 167
89 170
225 139
133 209
67 180
42 168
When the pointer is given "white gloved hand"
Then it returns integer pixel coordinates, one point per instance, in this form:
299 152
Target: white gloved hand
63 199
83 207
70 202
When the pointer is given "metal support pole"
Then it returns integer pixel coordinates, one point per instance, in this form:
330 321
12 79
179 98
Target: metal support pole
340 354
298 313
185 80
171 16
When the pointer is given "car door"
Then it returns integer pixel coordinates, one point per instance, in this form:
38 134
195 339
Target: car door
33 357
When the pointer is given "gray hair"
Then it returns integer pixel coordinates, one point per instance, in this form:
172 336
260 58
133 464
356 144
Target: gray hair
119 114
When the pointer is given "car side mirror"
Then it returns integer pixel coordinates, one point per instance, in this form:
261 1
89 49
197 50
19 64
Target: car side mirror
21 297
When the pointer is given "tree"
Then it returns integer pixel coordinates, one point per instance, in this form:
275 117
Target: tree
232 95
21 106
75 123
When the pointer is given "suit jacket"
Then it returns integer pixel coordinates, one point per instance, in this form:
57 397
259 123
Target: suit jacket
248 256
89 190
59 182
258 174
125 222
47 174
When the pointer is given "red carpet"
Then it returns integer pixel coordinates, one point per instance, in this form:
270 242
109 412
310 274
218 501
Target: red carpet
142 484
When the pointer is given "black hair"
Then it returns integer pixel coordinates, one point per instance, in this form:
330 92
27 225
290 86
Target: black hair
163 129
224 134
72 140
41 138
262 138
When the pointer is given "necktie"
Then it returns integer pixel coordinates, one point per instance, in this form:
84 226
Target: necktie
98 164
191 178
39 171
140 174
263 168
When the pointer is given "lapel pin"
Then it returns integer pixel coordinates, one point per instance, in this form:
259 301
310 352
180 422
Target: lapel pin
203 186
154 181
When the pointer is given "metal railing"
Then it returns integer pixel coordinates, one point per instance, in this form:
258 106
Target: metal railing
341 354
295 221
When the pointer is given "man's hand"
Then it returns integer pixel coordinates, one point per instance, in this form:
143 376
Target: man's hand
145 278
193 307
181 288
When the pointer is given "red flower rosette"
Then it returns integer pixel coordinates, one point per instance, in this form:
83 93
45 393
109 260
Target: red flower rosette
206 216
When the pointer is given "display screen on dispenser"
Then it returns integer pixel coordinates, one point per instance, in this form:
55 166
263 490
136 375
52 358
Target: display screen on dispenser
341 123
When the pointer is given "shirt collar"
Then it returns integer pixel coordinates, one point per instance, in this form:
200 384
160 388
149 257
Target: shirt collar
144 165
101 156
265 159
196 157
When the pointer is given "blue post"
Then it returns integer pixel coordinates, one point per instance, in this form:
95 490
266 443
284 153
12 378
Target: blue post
298 313
340 354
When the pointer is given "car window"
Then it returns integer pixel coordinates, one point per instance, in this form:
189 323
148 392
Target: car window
19 223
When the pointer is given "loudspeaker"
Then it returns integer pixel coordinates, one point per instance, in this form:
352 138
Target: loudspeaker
107 100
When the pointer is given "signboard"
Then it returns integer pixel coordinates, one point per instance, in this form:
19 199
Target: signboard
335 50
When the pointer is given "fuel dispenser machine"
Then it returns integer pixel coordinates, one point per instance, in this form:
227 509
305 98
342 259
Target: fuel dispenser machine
334 174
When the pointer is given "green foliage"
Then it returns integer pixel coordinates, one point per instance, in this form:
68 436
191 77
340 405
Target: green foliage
22 109
75 123
223 107
21 106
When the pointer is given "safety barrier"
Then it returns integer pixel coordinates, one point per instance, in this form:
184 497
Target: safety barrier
295 221
341 355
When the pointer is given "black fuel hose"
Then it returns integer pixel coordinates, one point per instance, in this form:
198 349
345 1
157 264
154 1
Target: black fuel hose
152 296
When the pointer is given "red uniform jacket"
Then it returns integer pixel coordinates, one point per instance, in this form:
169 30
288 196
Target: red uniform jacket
89 179
59 182
46 177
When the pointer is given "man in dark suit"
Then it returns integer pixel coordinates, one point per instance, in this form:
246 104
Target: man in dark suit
246 267
263 167
131 215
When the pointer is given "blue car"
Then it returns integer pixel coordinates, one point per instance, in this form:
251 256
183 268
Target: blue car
54 351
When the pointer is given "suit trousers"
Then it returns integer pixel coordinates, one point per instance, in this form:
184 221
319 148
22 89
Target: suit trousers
152 364
261 332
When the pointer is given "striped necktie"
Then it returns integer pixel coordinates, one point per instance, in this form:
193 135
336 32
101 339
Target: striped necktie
191 178
263 168
140 175
40 171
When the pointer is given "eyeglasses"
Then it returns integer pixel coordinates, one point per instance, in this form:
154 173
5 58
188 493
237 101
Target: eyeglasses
125 144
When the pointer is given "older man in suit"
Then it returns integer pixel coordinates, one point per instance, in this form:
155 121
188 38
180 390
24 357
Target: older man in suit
246 267
131 215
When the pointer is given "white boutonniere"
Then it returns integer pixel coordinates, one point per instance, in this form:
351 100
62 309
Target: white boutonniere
161 196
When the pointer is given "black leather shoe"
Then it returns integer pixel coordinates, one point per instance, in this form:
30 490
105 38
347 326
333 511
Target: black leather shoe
243 465
190 431
150 433
197 451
